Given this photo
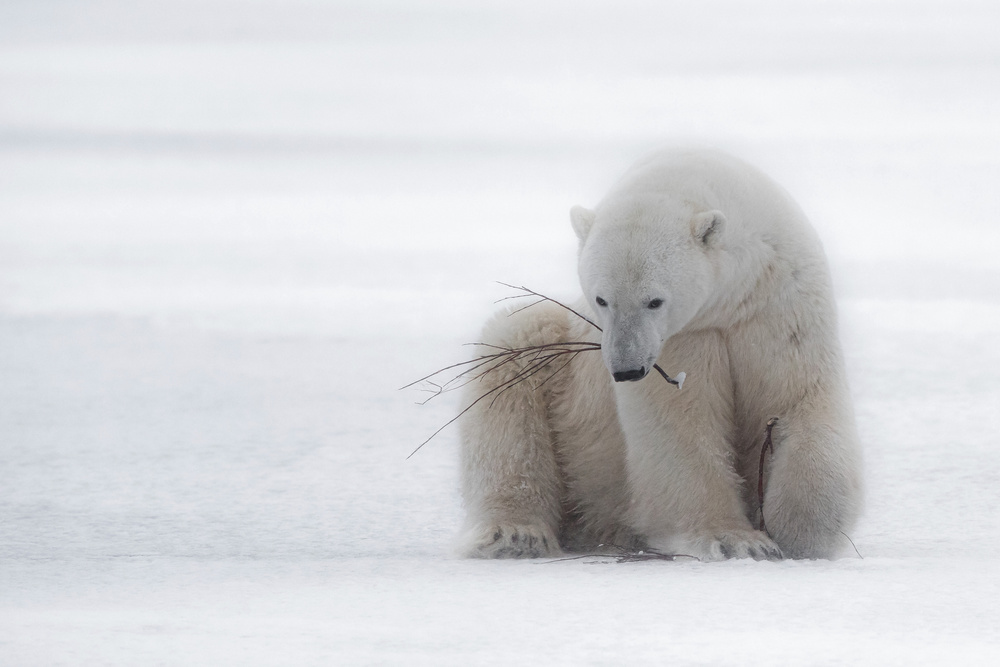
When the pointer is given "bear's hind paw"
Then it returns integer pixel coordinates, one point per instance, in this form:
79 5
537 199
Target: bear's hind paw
511 541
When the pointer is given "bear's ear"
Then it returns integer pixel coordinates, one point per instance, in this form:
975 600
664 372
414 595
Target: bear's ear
582 220
708 226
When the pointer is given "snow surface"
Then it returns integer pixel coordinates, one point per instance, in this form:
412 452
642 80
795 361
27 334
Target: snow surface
230 230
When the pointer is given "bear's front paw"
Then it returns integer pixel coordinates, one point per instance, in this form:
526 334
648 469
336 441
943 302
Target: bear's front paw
511 541
734 543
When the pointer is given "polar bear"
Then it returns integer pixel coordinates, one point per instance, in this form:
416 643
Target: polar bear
697 262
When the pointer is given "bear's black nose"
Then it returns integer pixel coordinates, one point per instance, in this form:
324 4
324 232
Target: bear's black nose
627 376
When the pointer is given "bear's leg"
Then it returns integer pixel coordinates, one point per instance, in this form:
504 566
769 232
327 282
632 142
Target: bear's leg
787 364
510 479
681 462
813 492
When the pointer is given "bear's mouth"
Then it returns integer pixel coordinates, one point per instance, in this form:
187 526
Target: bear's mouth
633 375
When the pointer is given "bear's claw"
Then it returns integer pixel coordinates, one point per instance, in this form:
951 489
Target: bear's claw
735 543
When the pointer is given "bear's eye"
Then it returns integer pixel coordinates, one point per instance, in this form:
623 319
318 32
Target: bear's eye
601 302
655 303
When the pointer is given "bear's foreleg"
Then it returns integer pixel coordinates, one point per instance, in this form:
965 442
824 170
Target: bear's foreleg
813 492
787 364
681 463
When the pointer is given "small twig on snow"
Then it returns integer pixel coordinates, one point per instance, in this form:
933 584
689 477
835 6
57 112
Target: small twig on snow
852 544
650 554
626 556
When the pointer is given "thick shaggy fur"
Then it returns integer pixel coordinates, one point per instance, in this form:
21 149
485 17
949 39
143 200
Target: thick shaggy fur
700 263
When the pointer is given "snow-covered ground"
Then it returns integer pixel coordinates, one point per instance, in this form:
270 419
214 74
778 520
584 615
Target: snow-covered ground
229 231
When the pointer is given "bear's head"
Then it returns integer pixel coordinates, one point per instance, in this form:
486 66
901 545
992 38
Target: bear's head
647 267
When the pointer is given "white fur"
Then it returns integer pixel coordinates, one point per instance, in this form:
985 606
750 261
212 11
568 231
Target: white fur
706 267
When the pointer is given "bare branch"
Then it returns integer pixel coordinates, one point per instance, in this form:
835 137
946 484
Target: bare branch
519 377
625 555
768 445
545 298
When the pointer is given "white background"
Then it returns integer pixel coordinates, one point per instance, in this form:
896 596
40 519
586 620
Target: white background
229 231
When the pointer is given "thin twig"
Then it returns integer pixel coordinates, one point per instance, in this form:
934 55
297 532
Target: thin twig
513 352
625 556
522 375
578 557
760 471
650 554
852 544
678 381
545 298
